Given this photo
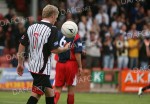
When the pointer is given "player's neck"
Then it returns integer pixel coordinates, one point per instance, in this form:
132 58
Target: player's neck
47 20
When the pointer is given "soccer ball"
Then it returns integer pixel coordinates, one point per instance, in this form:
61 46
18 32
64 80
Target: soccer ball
69 29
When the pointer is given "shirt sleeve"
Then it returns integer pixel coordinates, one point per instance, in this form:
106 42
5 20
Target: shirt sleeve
78 46
53 39
24 40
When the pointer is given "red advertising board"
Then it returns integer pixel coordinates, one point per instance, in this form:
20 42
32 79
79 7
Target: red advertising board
131 80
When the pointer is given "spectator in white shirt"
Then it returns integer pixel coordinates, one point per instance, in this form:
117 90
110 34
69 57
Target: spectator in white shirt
82 27
116 25
93 45
101 14
89 20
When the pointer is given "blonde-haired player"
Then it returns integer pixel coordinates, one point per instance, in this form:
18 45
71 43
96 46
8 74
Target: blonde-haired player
41 38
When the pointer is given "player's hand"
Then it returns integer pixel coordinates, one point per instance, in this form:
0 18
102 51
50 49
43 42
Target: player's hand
20 69
146 42
67 46
80 71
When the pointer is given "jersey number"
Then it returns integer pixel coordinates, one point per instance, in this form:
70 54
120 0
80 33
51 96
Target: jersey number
36 35
62 41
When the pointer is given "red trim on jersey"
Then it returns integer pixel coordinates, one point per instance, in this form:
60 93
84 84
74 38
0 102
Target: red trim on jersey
76 37
37 90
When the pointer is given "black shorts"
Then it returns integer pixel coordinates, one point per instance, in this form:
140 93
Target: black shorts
40 82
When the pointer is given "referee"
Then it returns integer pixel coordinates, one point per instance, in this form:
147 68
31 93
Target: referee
41 39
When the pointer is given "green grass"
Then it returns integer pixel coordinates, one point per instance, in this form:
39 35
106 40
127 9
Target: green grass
80 98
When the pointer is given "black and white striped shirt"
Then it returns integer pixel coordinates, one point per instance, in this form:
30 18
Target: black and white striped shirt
41 38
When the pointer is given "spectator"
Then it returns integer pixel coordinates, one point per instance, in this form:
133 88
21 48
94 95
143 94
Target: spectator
123 29
133 47
112 33
116 25
95 27
82 27
69 16
89 20
144 59
9 42
123 18
93 46
62 16
75 3
10 14
102 16
134 12
108 52
103 31
139 20
30 21
122 52
10 47
103 22
113 7
113 18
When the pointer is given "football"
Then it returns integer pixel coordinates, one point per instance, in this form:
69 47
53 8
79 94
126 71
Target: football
69 29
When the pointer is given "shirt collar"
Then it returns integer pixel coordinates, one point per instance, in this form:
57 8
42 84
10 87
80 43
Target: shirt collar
45 21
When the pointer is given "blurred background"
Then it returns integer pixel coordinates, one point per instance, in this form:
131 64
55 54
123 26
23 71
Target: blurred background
112 32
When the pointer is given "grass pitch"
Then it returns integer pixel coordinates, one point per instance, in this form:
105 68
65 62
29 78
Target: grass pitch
80 98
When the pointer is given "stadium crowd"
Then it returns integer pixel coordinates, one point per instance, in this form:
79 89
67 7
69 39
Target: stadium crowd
112 31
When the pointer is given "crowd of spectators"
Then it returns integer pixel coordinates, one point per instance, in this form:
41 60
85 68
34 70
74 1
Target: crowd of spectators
112 32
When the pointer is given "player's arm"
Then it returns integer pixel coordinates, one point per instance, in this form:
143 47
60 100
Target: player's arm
24 41
78 52
147 43
20 54
61 49
78 58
